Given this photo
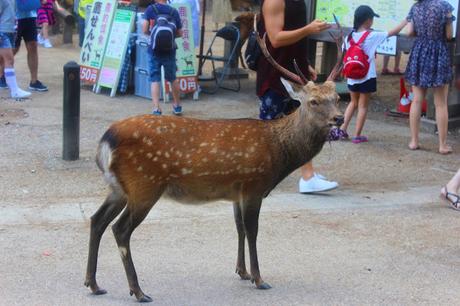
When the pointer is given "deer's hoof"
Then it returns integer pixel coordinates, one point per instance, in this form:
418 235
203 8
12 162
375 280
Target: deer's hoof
244 275
145 299
264 286
95 288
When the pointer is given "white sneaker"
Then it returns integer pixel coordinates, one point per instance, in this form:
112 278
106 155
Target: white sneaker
20 94
316 184
47 43
40 39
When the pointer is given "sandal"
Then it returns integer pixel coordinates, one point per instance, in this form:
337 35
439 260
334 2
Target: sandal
385 72
397 72
452 198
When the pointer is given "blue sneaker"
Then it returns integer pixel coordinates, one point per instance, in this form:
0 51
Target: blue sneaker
3 84
177 109
156 112
38 86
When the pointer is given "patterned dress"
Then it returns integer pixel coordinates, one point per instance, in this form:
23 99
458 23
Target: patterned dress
45 13
429 62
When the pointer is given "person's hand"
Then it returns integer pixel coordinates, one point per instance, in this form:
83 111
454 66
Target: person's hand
43 2
317 26
313 73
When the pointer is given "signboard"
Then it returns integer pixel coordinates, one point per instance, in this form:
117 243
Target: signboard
388 47
116 48
391 12
185 54
96 34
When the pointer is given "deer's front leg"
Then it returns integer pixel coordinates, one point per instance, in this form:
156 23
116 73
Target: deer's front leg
251 209
240 262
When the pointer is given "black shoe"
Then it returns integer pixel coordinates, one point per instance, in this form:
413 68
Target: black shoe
38 86
3 84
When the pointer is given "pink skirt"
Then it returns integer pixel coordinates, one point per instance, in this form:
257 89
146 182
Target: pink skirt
45 14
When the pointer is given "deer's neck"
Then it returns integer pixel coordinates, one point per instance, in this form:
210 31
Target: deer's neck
299 141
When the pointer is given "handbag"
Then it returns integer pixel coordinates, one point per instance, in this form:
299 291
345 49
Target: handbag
253 51
28 5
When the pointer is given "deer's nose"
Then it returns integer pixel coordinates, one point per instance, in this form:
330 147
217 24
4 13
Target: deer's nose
339 120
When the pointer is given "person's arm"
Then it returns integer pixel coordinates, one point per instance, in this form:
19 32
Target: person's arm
273 12
398 28
179 31
411 29
449 27
146 27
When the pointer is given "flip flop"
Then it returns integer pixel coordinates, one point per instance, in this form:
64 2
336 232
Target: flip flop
452 198
385 72
448 151
413 148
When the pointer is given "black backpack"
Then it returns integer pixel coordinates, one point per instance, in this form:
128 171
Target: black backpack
162 38
253 52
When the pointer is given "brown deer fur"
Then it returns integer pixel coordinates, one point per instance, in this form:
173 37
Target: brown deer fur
196 161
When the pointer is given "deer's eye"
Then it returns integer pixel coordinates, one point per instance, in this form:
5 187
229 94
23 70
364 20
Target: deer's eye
314 102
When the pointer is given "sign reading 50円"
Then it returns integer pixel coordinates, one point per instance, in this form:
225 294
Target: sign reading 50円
96 33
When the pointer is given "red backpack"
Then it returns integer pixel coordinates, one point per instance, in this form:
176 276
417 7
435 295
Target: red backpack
356 61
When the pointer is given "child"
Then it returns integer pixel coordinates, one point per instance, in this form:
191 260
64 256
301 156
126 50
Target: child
45 19
361 89
7 25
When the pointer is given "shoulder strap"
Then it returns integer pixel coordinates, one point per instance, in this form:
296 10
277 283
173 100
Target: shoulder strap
363 38
155 9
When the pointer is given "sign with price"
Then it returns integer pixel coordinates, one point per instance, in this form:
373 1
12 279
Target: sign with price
96 33
388 47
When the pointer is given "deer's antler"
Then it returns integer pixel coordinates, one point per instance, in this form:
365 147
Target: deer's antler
272 61
339 41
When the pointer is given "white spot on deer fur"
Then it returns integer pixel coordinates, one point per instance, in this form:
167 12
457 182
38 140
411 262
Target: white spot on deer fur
130 154
252 149
155 158
136 134
139 169
204 160
192 138
203 144
141 151
186 171
123 251
149 155
152 177
176 163
174 175
164 166
159 153
213 151
203 173
167 155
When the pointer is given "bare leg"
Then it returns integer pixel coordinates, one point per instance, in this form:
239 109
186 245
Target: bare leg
440 102
240 262
454 184
112 206
251 209
350 111
32 59
397 61
363 105
45 30
155 88
307 171
176 92
386 60
414 116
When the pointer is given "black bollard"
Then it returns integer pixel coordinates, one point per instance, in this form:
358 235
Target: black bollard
71 112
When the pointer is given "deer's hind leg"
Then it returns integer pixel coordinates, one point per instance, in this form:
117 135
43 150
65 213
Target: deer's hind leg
111 207
240 262
132 216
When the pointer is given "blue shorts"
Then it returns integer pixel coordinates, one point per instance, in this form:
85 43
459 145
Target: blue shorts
274 106
6 40
168 61
366 87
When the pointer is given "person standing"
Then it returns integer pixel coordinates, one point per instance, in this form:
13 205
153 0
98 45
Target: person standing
82 10
27 30
162 51
7 24
286 26
430 65
396 69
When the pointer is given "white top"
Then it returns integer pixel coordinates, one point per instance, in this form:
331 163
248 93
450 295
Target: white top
369 46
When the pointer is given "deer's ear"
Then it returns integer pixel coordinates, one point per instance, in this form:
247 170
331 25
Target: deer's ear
294 90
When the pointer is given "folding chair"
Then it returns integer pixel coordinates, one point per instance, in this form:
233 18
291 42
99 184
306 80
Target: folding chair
230 34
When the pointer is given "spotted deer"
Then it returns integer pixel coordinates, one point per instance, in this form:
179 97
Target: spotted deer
194 161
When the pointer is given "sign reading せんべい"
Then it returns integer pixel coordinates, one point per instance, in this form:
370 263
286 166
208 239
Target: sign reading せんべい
96 33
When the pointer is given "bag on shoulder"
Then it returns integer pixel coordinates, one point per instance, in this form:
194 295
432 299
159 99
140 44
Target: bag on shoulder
28 5
356 61
163 35
252 52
